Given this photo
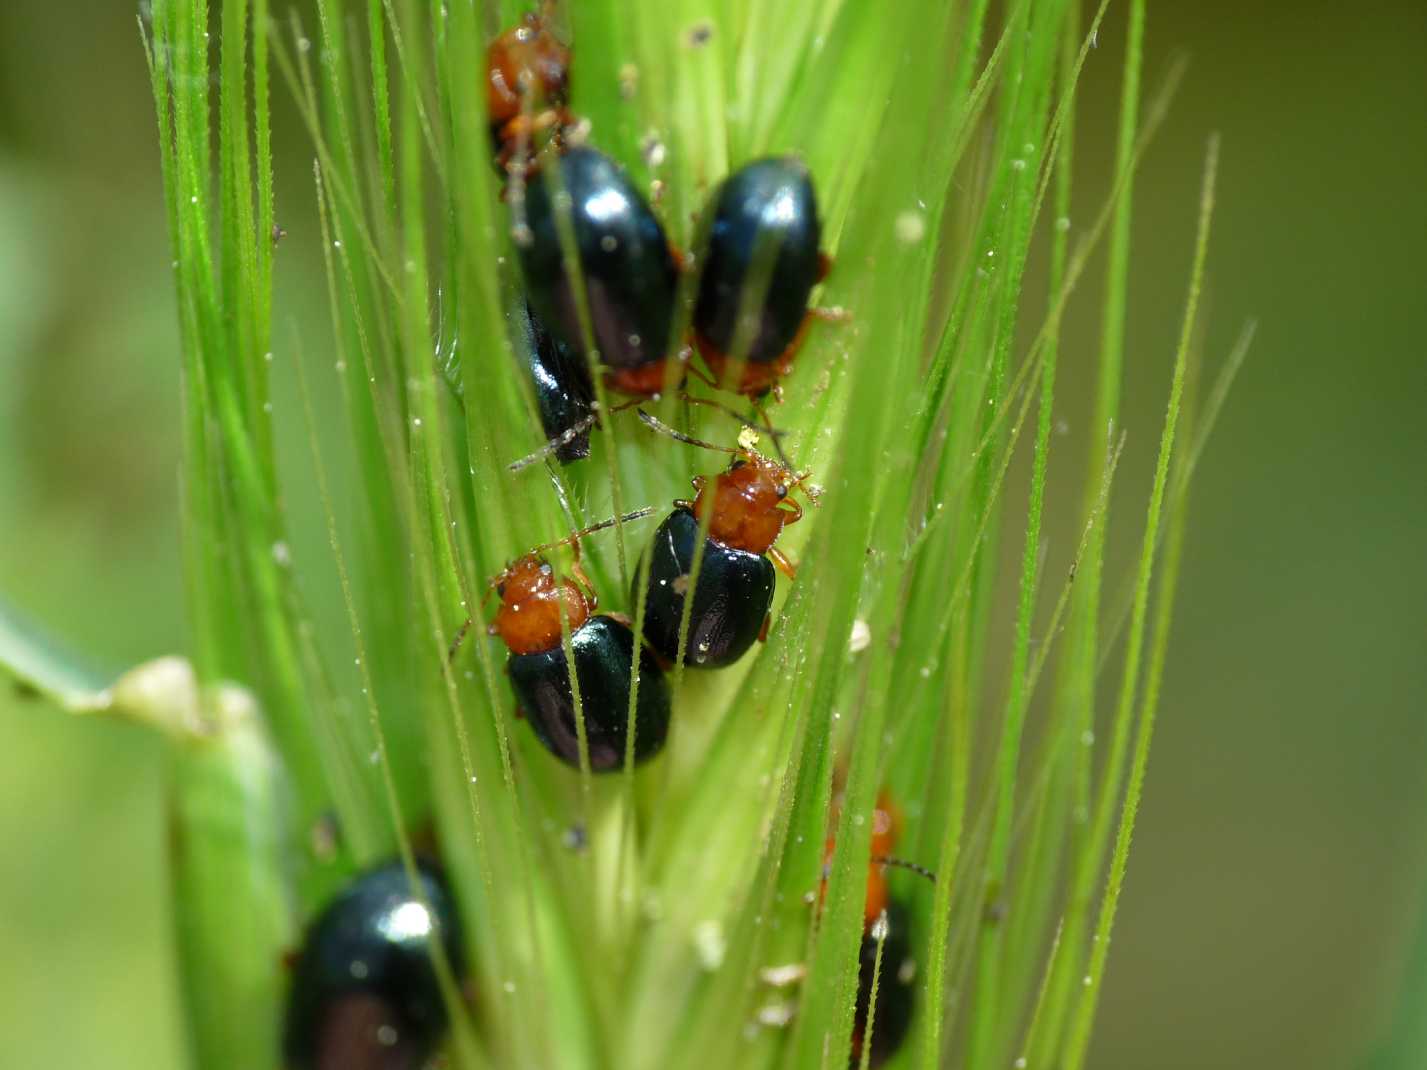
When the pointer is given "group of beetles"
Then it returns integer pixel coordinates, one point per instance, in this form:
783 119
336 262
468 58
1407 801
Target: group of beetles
365 992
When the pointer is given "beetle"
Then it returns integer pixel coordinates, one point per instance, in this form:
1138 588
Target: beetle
886 830
564 394
748 506
532 602
892 1012
527 89
763 250
628 270
883 916
364 990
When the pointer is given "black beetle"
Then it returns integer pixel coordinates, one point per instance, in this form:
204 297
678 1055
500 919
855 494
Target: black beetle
748 506
763 237
629 272
364 990
893 1012
535 609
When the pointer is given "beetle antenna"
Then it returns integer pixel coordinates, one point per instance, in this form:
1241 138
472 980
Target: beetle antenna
802 478
775 433
902 863
564 438
655 424
575 536
460 638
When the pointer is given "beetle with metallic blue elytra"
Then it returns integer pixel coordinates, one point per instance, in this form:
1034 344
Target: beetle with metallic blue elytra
762 263
747 508
533 603
628 274
364 991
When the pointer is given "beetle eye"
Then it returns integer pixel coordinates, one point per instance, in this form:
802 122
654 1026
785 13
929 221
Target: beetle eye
500 590
738 463
781 490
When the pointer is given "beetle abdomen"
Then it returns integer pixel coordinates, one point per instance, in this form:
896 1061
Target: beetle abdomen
630 277
604 655
731 602
764 236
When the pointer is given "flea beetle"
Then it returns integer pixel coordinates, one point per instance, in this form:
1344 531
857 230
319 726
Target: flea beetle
747 506
528 621
629 273
527 88
763 239
364 989
564 394
886 829
892 1011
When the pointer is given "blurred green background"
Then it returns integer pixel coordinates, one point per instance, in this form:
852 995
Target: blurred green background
1279 876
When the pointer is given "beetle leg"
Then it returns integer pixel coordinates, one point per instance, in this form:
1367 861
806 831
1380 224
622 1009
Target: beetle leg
782 563
577 571
457 641
763 631
793 510
695 370
824 266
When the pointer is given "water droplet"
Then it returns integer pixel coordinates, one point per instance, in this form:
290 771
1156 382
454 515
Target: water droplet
911 227
861 637
709 943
